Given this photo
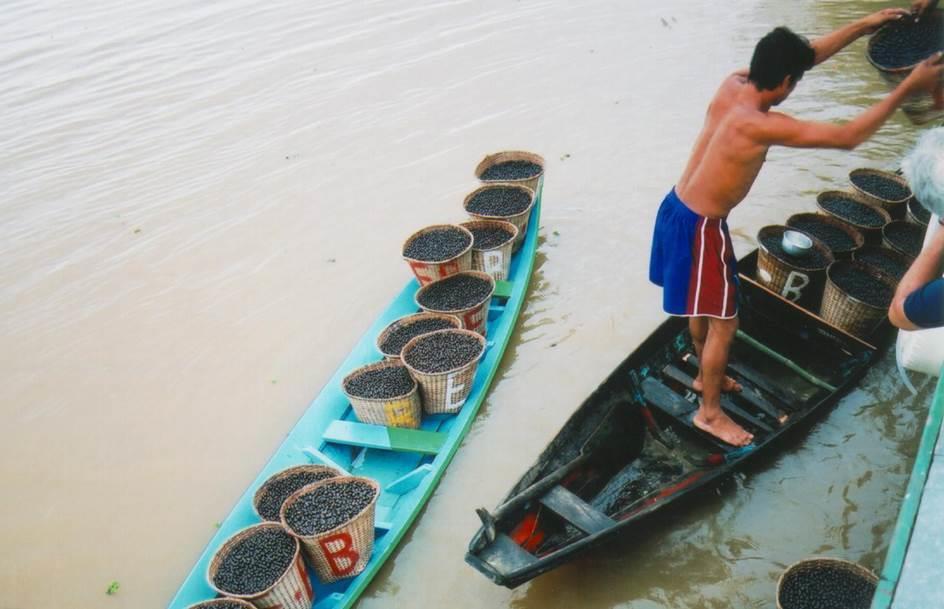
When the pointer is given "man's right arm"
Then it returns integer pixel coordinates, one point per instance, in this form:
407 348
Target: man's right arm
781 130
924 275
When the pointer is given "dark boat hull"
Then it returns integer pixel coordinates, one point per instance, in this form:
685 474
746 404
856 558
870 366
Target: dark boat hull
629 449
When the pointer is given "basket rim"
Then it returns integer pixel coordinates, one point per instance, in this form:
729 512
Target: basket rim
239 536
377 366
909 213
492 186
490 159
316 485
904 223
504 224
856 197
210 603
408 320
882 276
817 244
881 249
288 471
880 67
841 562
430 228
857 237
885 174
477 358
481 274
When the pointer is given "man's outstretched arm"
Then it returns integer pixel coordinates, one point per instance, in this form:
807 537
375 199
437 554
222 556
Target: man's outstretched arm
830 44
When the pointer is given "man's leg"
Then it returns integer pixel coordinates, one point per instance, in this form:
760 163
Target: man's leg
698 328
714 360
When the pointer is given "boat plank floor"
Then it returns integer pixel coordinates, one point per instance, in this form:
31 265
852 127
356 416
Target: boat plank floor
727 404
576 511
680 409
505 555
751 394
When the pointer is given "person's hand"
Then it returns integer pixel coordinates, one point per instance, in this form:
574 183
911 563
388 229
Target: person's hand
920 7
926 76
878 19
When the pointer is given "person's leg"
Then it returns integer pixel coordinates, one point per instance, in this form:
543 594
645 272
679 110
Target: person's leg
698 328
714 359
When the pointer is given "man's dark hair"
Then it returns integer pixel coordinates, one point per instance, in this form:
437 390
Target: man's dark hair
779 54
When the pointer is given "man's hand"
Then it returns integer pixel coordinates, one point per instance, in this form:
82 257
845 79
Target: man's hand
920 7
926 76
872 22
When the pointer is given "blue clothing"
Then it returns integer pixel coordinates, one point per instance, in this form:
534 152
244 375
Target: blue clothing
925 306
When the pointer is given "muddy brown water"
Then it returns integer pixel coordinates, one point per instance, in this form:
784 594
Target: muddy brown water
203 209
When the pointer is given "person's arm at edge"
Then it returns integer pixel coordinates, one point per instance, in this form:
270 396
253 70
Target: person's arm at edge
928 266
828 45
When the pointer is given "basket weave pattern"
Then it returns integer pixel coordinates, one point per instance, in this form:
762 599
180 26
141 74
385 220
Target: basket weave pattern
343 551
872 234
428 272
222 602
446 392
473 318
801 285
512 155
520 220
285 473
400 411
291 591
497 260
808 565
849 313
408 321
895 209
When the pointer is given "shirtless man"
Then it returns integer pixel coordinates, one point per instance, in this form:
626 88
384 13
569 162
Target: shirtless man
692 255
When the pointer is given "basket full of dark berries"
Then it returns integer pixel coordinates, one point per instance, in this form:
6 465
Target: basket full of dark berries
384 393
269 497
493 241
438 251
856 296
826 583
883 189
399 332
512 166
508 202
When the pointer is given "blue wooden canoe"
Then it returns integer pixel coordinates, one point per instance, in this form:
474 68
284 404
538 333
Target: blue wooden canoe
407 463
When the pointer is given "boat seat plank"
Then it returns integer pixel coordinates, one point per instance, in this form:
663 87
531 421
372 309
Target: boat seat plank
386 438
750 394
727 404
576 511
505 555
406 483
788 396
669 402
503 289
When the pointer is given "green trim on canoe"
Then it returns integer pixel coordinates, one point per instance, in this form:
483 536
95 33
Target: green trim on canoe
904 527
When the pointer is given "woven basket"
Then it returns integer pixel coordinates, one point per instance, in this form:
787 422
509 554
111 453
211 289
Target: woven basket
872 234
895 208
216 603
473 318
408 321
850 313
798 569
428 272
495 261
920 108
343 551
291 591
401 411
285 473
888 243
445 392
888 252
512 155
912 212
520 220
800 284
850 230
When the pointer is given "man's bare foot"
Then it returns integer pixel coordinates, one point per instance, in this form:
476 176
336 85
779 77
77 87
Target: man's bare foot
723 428
728 385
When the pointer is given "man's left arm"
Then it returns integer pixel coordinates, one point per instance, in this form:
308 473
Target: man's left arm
830 44
926 268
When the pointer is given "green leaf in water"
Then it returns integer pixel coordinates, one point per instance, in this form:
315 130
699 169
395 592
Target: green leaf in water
112 588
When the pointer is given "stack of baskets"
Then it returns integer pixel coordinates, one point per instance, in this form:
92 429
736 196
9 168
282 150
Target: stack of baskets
457 267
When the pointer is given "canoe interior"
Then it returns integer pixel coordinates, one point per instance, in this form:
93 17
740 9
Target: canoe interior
406 463
631 448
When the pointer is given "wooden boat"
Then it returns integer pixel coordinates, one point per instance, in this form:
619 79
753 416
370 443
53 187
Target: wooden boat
407 463
631 448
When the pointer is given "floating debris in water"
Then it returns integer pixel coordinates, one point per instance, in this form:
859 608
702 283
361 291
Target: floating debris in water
456 293
328 507
510 170
499 202
397 339
381 384
255 562
443 351
437 245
